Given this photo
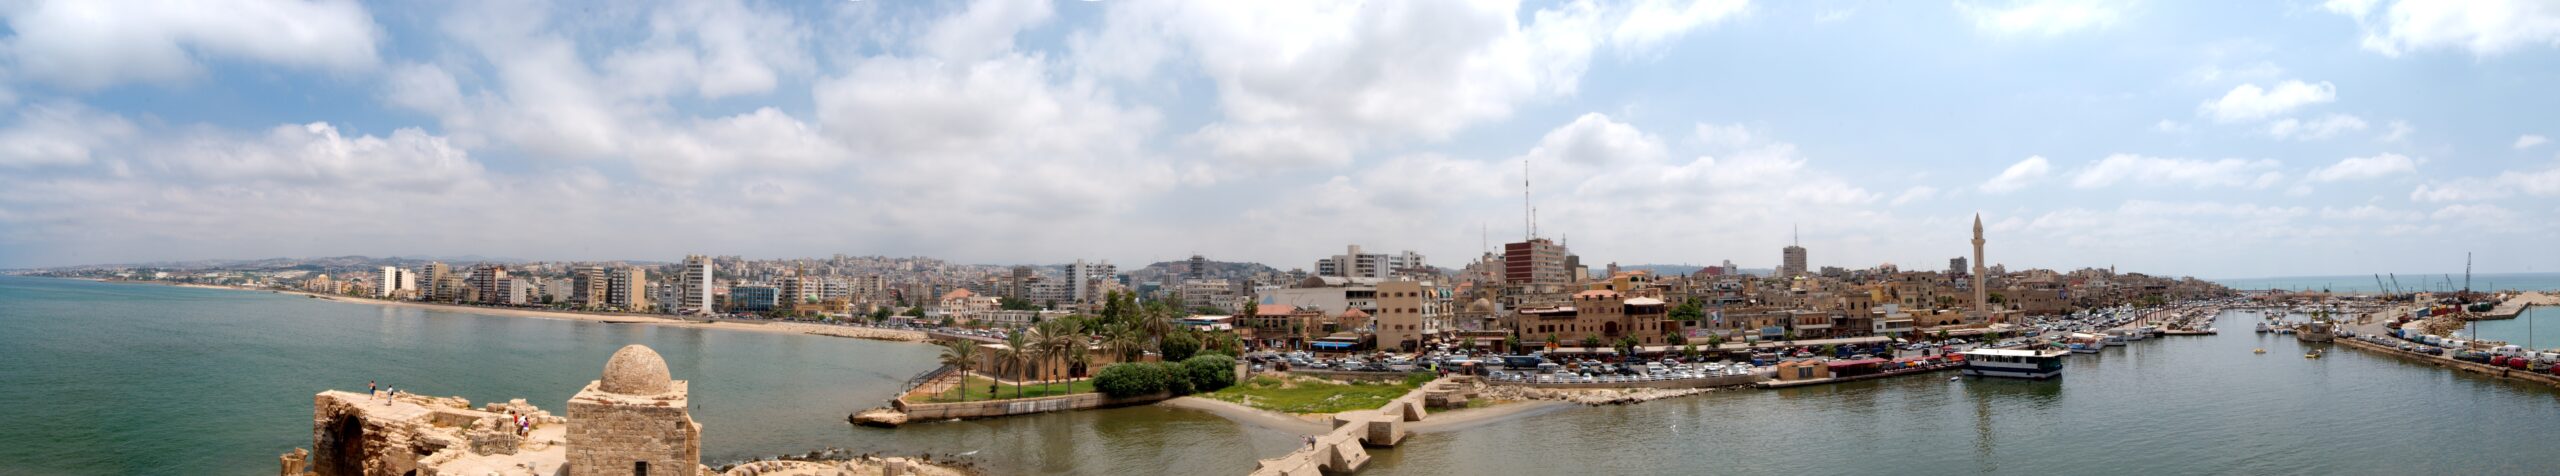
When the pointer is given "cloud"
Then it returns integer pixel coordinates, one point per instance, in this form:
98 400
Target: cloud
2041 17
1357 76
2142 170
2484 27
2212 74
986 27
2018 175
2536 183
2368 213
2249 102
93 44
2360 168
2315 129
1916 193
2398 132
60 134
2528 141
1596 140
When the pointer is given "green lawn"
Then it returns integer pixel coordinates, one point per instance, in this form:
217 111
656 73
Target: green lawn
1308 395
977 390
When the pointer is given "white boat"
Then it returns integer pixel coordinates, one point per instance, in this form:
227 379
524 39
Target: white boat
2028 364
2115 337
2262 328
2086 343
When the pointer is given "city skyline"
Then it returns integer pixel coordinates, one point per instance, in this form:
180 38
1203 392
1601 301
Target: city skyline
2176 138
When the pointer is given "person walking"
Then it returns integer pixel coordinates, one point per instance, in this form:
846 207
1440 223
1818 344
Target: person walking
372 390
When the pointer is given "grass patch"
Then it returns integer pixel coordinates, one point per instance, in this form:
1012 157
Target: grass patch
1310 395
976 390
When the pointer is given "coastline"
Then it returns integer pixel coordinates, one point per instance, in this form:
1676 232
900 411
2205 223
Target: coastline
824 330
1438 422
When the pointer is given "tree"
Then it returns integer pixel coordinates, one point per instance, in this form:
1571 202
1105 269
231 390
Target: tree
1688 312
917 311
962 356
1017 353
1591 342
1178 346
1210 372
1687 350
1130 379
1942 334
1677 339
880 314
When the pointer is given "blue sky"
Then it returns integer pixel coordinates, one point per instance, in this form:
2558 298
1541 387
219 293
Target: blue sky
2220 139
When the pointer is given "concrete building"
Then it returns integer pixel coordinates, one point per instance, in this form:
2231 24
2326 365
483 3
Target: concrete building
628 289
1410 314
488 283
1981 291
754 298
693 286
1355 264
434 285
589 287
1537 262
1791 262
1084 280
634 421
394 282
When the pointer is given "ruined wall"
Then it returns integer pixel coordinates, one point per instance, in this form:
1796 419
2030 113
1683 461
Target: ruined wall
346 441
607 435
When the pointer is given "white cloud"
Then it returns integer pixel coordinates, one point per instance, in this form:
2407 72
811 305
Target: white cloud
2483 27
2018 175
2528 141
1916 193
713 48
92 44
1648 23
2536 183
2214 74
2398 132
2172 127
1595 140
60 134
2360 168
2142 170
2041 17
2249 102
2479 215
2368 213
986 27
2315 129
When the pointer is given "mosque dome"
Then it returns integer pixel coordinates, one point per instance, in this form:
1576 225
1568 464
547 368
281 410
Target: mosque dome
636 370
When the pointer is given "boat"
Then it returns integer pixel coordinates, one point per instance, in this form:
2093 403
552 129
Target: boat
2137 334
2115 337
2086 343
2262 328
2260 350
2315 331
2026 364
2314 354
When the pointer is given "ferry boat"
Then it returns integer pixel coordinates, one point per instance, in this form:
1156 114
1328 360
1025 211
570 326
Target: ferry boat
2027 364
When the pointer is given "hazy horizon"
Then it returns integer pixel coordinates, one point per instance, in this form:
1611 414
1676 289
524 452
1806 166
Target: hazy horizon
2274 139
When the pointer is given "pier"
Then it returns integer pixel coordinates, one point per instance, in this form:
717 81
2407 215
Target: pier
1344 450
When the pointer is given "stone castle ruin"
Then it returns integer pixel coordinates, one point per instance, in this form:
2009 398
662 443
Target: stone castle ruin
634 421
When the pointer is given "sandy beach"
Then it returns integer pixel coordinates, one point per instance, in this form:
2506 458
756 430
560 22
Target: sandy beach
894 335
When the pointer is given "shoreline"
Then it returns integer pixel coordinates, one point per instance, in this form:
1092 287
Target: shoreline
822 330
1438 422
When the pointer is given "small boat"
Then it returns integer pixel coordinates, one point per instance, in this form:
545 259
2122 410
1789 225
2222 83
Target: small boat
2312 355
2260 350
2262 328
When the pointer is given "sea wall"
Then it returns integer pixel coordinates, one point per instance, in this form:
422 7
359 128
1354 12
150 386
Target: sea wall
1709 382
1017 406
2491 371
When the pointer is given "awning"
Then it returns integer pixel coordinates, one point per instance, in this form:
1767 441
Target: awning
1853 363
1332 345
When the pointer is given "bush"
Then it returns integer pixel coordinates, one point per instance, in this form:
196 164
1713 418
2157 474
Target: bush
1176 380
1131 379
1416 379
1178 346
1210 372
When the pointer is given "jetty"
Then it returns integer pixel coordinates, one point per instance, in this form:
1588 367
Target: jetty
1344 450
2516 306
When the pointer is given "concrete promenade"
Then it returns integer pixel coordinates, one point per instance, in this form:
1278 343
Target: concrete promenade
1344 450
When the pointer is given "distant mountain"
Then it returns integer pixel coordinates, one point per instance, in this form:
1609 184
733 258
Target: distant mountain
1229 269
1664 269
314 263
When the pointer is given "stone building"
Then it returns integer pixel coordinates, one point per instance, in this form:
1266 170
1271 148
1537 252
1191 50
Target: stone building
635 421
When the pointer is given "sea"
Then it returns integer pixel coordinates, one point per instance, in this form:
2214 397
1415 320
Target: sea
2365 283
113 379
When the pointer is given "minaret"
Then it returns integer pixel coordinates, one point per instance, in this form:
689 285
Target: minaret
1981 294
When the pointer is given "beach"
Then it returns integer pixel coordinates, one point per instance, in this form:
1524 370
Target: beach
894 335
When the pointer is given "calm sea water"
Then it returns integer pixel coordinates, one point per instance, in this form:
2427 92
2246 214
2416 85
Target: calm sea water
138 379
2422 282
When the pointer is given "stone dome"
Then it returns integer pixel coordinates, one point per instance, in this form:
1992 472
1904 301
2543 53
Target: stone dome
1481 305
636 370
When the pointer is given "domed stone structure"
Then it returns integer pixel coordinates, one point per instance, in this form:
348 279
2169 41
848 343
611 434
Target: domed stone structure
635 370
634 421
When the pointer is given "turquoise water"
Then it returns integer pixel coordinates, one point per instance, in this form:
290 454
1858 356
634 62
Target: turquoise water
2364 282
154 380
157 380
2538 327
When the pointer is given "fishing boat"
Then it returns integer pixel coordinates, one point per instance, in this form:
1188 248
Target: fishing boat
2026 364
2263 328
2115 337
2314 354
2260 350
2085 343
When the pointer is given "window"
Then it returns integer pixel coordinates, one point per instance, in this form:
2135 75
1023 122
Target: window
639 468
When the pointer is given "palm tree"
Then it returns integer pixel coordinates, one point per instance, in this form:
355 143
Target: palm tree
961 355
1082 353
1017 352
1056 340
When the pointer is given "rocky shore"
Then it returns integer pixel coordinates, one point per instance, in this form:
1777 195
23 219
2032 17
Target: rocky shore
1586 396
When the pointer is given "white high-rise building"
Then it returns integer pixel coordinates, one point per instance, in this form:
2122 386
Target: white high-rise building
1355 264
693 286
1083 279
394 282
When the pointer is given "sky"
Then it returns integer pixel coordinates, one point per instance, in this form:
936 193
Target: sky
2207 138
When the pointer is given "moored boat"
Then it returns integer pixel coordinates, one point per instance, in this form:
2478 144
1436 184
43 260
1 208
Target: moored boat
2026 364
